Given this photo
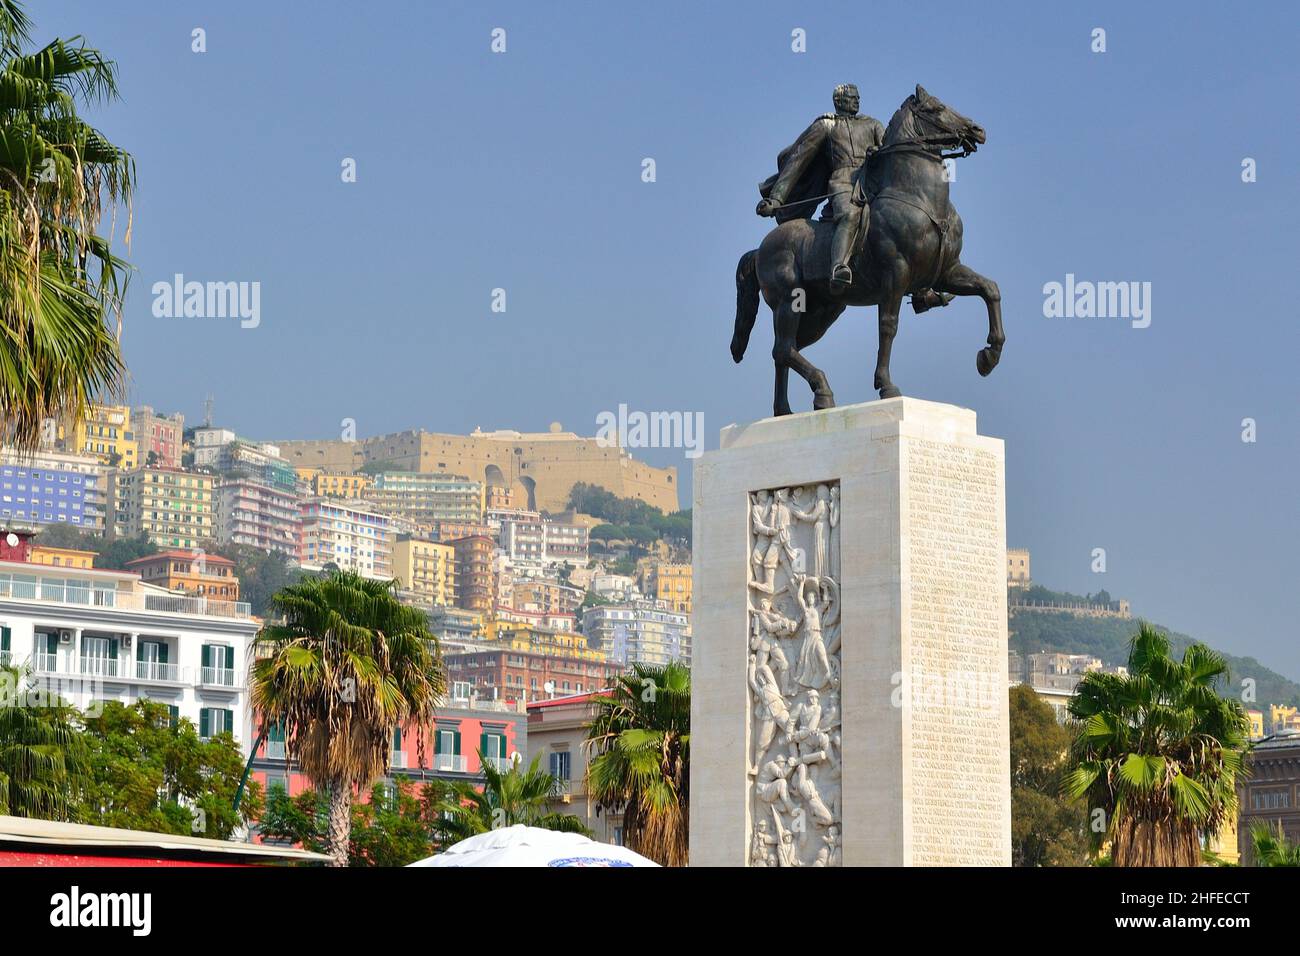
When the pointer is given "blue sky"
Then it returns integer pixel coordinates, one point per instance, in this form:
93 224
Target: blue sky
523 171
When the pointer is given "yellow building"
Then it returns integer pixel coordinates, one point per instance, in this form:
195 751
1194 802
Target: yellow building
672 584
426 568
1282 717
1256 723
104 432
529 638
62 557
1018 575
326 484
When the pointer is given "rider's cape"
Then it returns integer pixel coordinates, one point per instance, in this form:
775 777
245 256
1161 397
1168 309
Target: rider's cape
809 190
801 201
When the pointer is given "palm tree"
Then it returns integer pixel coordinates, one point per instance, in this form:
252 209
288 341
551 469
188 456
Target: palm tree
506 798
1158 752
639 746
44 761
58 276
345 670
1271 847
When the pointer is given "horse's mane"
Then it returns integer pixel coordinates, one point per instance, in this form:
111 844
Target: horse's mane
900 124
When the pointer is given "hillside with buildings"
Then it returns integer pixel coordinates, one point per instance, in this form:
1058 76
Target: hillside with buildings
1055 637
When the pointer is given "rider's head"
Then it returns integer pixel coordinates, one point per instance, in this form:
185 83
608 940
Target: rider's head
846 99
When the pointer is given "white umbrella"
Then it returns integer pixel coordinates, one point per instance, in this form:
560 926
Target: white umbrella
531 846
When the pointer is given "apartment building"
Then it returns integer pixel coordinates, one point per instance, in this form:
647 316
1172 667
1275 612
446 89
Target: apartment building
475 574
160 437
323 484
462 728
343 533
189 572
257 513
50 487
94 635
639 631
557 730
426 570
105 433
425 498
172 508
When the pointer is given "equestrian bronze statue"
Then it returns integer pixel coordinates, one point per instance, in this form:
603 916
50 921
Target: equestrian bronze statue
889 231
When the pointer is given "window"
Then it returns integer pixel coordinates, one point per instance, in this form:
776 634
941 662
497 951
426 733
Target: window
214 720
560 765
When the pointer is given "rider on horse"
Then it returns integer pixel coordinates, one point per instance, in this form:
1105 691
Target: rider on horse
827 162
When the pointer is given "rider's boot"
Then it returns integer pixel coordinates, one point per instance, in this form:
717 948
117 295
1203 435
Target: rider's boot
928 299
841 250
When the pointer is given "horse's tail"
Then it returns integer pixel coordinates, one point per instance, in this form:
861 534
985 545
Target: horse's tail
747 295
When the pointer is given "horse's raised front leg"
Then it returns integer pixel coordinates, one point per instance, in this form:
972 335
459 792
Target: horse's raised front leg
963 280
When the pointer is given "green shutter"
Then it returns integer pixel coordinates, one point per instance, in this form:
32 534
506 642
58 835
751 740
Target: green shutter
139 652
174 713
397 738
113 648
456 743
482 745
206 655
437 741
502 738
162 652
5 634
204 722
229 725
52 643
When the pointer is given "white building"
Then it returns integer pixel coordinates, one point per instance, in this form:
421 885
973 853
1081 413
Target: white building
640 632
258 513
342 533
92 636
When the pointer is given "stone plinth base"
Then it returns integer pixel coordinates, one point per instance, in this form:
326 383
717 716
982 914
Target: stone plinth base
849 680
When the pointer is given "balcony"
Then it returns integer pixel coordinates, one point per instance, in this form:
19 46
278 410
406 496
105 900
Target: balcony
500 764
217 677
275 750
80 593
155 672
453 763
397 760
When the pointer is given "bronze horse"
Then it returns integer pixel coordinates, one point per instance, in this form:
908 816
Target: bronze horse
913 243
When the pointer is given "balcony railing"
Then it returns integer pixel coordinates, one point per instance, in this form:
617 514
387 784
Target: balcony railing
45 663
80 593
6 658
501 764
275 750
397 760
454 763
99 666
153 670
217 676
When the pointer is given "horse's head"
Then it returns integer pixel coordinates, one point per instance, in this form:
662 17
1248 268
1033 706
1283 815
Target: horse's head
926 120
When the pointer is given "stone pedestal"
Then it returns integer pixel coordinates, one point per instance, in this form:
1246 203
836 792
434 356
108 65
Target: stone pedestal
849 679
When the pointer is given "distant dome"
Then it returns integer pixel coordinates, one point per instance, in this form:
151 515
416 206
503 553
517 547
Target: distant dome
556 428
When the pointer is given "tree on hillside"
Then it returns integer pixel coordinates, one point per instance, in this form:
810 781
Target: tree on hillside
1046 828
1158 751
59 280
120 552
